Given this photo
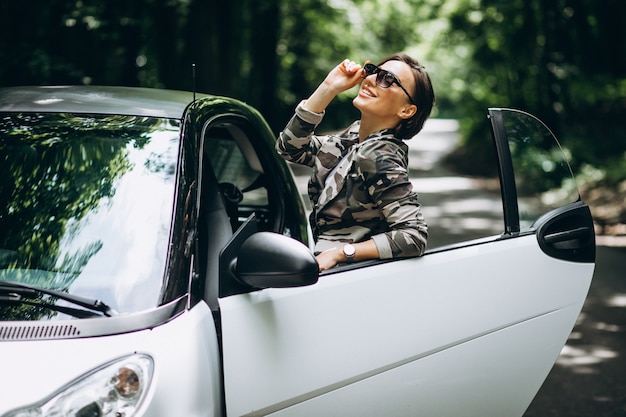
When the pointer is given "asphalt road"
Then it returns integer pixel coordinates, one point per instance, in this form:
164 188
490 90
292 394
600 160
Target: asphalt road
589 378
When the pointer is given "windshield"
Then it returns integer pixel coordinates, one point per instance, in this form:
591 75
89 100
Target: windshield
85 206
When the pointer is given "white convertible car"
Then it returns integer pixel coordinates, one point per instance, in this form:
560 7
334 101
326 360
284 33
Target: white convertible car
155 261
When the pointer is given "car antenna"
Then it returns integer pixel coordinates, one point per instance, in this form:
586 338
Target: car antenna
193 79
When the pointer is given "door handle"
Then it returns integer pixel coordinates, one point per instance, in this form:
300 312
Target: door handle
568 235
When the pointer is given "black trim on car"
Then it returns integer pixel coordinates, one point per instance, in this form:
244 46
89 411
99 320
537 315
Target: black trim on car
567 233
82 328
507 175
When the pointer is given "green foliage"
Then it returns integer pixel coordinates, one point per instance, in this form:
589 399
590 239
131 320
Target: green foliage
55 170
562 60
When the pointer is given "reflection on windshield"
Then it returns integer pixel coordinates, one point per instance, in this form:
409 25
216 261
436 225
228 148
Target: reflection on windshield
85 206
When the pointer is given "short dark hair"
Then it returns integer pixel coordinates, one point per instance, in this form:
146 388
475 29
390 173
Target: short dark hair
423 96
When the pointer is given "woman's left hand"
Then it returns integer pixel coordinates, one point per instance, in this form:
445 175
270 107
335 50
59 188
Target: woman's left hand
329 258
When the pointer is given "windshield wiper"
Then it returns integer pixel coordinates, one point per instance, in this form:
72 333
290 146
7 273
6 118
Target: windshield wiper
80 313
14 292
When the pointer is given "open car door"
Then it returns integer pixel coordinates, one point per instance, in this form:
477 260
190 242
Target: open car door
471 329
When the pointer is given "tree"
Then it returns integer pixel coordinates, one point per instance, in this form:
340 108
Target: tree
562 60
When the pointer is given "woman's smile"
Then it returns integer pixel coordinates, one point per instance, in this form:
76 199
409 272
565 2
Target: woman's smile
367 92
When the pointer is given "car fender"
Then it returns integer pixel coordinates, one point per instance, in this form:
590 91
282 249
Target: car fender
186 379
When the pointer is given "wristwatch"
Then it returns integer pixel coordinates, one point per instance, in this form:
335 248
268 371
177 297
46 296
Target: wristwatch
349 251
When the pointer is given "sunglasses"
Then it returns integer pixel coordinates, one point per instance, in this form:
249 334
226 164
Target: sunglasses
384 78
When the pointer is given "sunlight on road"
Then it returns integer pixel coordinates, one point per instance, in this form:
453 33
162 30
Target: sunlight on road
580 357
617 300
441 184
459 216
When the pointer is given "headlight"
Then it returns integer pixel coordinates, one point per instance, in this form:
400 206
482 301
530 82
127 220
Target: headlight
115 389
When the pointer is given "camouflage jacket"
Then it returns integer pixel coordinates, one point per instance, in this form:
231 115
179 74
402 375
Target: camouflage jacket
358 190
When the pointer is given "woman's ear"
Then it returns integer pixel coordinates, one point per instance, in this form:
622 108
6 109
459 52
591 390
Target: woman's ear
408 111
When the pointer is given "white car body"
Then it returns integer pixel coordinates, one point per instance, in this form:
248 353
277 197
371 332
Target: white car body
184 349
243 324
449 350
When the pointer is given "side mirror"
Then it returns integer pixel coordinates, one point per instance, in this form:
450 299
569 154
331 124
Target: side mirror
271 260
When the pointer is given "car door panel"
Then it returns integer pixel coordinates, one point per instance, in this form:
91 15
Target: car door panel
287 347
458 381
466 330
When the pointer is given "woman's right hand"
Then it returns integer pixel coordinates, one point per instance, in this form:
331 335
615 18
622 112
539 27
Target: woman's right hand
341 78
344 76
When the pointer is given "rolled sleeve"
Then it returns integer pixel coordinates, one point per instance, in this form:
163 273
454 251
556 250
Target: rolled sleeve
383 246
297 143
307 115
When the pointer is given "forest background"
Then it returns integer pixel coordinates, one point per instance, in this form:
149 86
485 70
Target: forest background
561 60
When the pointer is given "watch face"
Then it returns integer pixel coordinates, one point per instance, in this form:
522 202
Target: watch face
349 250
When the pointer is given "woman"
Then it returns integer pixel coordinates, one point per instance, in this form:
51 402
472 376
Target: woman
363 203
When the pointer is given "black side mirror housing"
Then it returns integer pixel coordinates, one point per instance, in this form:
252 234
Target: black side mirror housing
272 260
